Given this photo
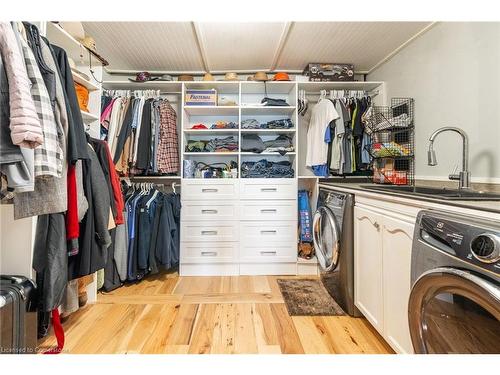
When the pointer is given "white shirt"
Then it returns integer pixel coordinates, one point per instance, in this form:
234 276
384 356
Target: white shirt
113 122
317 149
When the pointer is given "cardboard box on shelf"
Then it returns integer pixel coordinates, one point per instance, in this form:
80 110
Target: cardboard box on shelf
201 97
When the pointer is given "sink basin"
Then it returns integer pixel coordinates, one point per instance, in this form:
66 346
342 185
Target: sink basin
442 193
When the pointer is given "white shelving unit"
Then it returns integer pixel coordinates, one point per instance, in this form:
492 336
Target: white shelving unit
245 95
248 95
89 117
85 82
81 56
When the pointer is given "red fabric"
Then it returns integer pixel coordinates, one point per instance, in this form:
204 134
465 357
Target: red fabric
115 184
58 332
199 126
72 225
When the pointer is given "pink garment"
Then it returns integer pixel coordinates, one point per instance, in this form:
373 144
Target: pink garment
25 127
106 114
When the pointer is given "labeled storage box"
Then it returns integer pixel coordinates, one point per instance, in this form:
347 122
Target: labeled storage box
321 72
201 97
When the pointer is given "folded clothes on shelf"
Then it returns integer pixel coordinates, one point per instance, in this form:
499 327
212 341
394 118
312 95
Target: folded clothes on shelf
252 143
267 169
271 102
226 144
282 144
199 126
195 146
224 125
250 123
284 123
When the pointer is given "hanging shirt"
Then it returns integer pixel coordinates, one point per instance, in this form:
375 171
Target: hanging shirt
167 155
317 149
337 149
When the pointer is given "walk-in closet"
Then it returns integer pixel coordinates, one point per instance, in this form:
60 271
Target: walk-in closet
204 187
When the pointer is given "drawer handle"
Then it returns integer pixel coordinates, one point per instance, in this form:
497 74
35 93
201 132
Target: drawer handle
268 232
268 210
208 232
268 189
268 253
209 190
209 253
209 211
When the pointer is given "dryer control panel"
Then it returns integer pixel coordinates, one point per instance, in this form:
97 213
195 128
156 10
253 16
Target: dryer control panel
474 241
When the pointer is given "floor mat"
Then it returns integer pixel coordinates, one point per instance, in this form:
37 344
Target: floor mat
308 297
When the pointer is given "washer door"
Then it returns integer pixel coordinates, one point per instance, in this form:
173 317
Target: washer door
326 238
454 311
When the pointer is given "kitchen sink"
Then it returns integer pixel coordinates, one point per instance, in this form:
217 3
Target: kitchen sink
441 193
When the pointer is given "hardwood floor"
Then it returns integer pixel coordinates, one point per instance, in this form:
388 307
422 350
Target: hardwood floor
200 315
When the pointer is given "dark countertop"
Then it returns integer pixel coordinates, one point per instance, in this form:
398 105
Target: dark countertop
484 205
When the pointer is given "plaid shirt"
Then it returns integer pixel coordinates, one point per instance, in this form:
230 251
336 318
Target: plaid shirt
167 154
49 156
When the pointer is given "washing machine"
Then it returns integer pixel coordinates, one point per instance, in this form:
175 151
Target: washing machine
454 305
333 236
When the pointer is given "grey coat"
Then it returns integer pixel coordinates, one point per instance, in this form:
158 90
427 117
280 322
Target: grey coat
50 194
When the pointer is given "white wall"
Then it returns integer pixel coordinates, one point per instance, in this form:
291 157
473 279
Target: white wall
453 72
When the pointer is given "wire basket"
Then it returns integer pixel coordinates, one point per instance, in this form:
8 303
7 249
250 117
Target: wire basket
398 116
393 142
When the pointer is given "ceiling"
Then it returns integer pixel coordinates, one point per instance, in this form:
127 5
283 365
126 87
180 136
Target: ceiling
196 47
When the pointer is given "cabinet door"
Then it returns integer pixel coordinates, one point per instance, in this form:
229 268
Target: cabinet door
368 284
397 236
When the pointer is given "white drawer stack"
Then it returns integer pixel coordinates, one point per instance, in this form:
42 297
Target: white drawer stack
268 227
209 227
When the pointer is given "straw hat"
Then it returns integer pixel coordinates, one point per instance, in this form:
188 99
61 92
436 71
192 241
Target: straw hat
208 77
260 76
89 42
231 77
185 77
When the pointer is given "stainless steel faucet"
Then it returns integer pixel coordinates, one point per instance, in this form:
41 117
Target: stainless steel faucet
464 176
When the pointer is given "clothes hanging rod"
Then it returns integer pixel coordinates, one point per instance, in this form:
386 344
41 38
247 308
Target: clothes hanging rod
161 92
374 92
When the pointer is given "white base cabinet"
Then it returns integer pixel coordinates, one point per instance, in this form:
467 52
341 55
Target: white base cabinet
397 237
368 283
382 253
231 227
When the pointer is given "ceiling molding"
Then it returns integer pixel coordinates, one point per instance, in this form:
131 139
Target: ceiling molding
201 48
389 56
281 45
199 72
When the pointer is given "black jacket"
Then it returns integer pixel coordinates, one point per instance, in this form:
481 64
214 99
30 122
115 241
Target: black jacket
77 142
94 237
